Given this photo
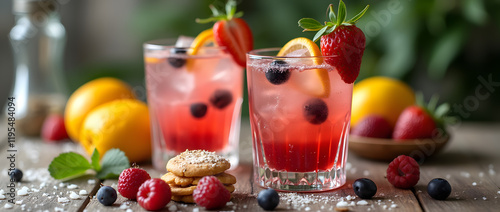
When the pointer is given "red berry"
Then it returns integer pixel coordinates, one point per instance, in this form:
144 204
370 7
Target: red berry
236 36
231 32
130 180
340 39
154 194
403 172
347 44
210 193
53 128
414 123
374 126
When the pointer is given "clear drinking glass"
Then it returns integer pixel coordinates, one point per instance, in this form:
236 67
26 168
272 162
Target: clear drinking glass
194 100
300 113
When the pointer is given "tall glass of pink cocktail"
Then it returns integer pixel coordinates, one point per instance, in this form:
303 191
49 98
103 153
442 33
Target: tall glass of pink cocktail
300 115
194 100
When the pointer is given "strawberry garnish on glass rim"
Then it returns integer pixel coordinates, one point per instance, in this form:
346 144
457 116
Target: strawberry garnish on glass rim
341 39
231 32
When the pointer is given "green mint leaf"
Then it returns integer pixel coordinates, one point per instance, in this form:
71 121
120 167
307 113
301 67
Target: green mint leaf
442 110
358 16
320 33
95 160
309 24
68 165
341 13
112 164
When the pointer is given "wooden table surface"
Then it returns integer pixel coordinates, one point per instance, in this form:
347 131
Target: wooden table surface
470 162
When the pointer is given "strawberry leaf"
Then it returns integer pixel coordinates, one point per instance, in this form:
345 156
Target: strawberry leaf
320 33
341 13
331 14
358 16
310 24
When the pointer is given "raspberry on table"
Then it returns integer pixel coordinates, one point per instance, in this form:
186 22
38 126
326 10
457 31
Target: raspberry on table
403 172
130 180
154 194
211 193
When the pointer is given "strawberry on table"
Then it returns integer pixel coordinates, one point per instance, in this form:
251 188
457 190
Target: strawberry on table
231 32
340 38
419 121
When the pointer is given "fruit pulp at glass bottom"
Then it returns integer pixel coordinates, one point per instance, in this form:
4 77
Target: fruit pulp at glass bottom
301 156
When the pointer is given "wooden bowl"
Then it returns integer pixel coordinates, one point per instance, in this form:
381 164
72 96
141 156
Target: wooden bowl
388 149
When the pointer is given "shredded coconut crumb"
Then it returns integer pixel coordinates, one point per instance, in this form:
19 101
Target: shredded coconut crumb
74 195
62 200
342 204
8 206
474 183
2 197
362 202
91 182
19 202
23 191
83 193
172 208
73 186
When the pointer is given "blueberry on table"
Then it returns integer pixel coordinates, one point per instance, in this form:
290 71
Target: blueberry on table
221 98
177 61
364 188
278 73
439 188
198 110
106 195
268 199
315 111
16 175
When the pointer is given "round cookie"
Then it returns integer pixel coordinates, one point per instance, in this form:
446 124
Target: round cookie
184 191
224 178
185 199
171 178
197 163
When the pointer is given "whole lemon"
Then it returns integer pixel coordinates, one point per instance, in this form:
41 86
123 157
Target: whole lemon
383 96
122 124
89 96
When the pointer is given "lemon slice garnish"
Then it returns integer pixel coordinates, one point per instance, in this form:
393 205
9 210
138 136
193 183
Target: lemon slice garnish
313 82
205 38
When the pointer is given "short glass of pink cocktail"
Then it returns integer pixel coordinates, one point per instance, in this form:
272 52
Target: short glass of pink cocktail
194 100
300 112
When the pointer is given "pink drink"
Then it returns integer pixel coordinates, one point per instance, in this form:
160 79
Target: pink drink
194 101
300 127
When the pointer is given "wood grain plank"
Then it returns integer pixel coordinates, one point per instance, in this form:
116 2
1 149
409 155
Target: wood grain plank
466 164
33 157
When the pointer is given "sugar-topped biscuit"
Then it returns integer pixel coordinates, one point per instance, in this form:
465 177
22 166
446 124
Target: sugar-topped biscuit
183 191
197 163
171 178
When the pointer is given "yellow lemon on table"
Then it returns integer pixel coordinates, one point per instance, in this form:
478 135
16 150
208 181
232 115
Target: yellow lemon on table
383 96
122 124
89 96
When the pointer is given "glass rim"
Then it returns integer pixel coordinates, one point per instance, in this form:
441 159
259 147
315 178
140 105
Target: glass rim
169 43
257 54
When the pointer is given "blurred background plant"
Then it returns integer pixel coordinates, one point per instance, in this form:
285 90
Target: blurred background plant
436 46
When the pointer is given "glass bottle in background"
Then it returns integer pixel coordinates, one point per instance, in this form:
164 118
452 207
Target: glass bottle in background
38 39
